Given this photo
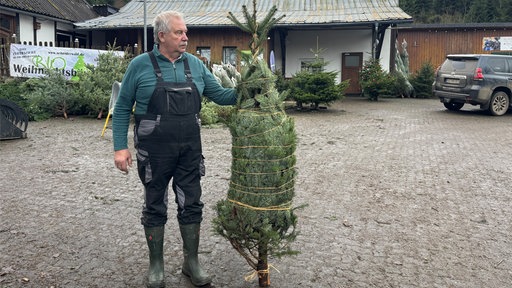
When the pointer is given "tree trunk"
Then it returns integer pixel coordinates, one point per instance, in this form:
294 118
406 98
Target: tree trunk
100 114
263 270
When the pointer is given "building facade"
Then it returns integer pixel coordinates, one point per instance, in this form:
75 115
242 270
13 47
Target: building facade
347 32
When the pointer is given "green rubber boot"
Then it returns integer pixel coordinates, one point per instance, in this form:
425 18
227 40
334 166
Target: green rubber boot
155 239
191 267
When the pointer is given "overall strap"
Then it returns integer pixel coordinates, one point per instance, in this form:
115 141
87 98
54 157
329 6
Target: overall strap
158 72
188 74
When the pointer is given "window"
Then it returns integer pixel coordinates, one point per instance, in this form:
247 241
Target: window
6 23
497 65
509 62
204 52
64 39
229 55
306 64
352 60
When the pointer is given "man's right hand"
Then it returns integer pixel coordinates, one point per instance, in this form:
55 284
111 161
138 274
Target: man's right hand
123 159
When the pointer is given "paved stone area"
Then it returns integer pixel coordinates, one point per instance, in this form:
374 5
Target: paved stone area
400 193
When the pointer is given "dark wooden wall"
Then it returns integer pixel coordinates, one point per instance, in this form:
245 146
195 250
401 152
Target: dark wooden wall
433 44
216 39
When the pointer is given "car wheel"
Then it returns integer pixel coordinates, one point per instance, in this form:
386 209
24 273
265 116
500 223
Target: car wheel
499 103
453 106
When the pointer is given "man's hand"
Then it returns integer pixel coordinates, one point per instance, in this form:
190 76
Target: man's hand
123 159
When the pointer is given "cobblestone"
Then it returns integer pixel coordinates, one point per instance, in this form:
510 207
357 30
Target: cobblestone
400 193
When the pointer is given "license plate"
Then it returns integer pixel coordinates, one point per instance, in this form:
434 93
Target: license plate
452 81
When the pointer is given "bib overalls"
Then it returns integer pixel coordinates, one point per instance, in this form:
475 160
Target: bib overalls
168 144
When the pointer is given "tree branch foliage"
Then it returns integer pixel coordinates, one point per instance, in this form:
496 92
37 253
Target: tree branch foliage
257 217
458 11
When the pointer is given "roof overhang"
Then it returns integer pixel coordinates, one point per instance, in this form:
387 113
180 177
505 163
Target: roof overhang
32 14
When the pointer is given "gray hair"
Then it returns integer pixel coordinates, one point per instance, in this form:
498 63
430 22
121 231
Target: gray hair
161 22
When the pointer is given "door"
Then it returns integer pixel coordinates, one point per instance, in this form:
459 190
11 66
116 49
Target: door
351 64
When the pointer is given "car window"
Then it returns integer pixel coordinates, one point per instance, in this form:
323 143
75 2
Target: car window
459 65
497 65
509 64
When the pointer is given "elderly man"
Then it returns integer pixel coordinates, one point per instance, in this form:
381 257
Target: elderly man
166 86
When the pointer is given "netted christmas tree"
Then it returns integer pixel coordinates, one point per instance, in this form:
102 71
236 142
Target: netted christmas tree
257 217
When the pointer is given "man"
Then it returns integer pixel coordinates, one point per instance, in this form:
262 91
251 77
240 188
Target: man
166 85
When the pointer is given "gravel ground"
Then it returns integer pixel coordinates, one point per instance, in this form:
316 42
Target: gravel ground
400 193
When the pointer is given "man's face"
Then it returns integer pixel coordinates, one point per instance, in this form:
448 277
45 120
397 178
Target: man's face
174 43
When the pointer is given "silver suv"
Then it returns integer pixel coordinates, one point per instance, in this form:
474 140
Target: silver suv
477 79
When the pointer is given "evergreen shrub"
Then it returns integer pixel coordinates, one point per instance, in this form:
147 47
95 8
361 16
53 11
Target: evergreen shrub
376 82
316 86
94 86
10 89
422 81
48 96
373 79
54 95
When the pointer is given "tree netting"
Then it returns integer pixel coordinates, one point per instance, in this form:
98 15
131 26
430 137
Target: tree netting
257 216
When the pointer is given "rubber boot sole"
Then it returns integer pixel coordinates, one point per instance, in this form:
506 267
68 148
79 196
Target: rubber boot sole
155 285
205 285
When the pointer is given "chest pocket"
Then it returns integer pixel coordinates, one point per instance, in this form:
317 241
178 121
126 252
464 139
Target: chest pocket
174 98
180 100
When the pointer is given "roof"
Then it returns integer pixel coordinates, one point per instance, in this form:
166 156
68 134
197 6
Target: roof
213 13
67 10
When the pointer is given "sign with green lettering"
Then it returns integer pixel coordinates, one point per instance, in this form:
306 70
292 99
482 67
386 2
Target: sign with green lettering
34 61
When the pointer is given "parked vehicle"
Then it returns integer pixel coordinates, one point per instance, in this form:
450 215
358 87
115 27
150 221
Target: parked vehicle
476 79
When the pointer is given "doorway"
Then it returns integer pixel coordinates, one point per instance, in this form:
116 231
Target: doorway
351 65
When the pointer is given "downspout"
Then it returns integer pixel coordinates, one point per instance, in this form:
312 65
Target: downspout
54 42
374 39
17 39
282 42
34 29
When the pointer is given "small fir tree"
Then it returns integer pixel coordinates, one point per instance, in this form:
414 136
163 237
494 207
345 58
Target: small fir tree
373 79
422 81
257 217
315 85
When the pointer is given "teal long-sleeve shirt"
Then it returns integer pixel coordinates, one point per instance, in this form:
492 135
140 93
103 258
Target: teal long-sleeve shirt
139 82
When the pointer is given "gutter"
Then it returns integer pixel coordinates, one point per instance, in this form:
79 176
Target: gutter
287 25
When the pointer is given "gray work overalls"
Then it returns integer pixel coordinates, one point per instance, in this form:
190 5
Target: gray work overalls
168 143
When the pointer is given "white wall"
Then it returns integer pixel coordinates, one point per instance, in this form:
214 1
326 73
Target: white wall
385 54
334 43
26 29
45 34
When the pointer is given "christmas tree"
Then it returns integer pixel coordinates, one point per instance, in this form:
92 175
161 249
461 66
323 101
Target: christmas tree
257 217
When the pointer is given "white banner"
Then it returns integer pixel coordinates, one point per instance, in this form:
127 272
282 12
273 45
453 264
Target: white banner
33 61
